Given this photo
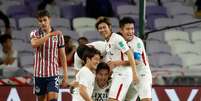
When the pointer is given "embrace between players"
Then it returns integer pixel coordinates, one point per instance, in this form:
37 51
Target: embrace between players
121 55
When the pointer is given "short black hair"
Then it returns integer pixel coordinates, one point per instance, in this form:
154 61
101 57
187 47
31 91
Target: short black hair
80 50
4 37
83 38
126 20
89 53
102 20
42 13
102 66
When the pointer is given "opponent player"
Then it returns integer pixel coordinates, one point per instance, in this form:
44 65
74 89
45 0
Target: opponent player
48 43
143 89
116 47
86 76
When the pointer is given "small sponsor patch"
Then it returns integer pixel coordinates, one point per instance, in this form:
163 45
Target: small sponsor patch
121 44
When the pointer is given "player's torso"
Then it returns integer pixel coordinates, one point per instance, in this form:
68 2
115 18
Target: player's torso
137 46
46 56
113 53
90 78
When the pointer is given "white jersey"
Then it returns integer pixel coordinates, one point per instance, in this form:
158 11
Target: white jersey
137 47
116 47
143 88
101 94
87 78
99 45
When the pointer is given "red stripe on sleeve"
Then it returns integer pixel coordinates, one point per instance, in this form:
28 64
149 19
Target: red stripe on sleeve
119 91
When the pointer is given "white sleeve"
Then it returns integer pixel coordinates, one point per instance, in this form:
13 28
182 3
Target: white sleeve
121 44
77 62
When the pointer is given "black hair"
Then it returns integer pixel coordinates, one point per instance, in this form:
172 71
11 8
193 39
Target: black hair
4 37
102 66
80 50
83 38
102 20
42 13
126 20
89 53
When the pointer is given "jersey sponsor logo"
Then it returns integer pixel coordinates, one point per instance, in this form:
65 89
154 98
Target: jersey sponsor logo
100 96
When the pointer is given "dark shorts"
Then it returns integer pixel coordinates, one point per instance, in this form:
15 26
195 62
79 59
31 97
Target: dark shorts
43 85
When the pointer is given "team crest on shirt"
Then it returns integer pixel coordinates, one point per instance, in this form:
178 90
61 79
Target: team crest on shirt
54 38
121 44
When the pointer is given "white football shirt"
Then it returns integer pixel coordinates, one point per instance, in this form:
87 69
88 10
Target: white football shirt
87 78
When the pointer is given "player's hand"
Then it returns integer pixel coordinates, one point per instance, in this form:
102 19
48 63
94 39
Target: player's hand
64 83
111 64
135 80
74 84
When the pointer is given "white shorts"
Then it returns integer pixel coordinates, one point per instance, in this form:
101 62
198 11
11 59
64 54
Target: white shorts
143 89
121 80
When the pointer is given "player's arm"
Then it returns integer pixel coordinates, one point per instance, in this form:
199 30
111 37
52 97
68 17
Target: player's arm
36 42
64 65
121 63
83 93
133 65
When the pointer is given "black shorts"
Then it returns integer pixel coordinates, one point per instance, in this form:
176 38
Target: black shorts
43 85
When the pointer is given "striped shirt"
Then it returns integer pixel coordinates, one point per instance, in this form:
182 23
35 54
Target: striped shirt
47 55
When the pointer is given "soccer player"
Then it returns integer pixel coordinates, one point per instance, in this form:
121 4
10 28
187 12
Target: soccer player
86 76
116 47
143 88
49 47
102 83
78 62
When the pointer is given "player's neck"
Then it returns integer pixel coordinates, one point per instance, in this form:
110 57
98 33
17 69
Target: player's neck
108 38
102 85
91 68
48 30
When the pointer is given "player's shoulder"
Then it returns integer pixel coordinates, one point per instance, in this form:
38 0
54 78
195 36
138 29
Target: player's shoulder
58 31
94 43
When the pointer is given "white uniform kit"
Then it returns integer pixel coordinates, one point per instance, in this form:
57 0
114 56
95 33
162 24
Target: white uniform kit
122 75
143 89
87 78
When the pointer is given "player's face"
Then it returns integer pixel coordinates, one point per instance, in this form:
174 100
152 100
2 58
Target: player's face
104 30
95 61
102 77
44 22
128 31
